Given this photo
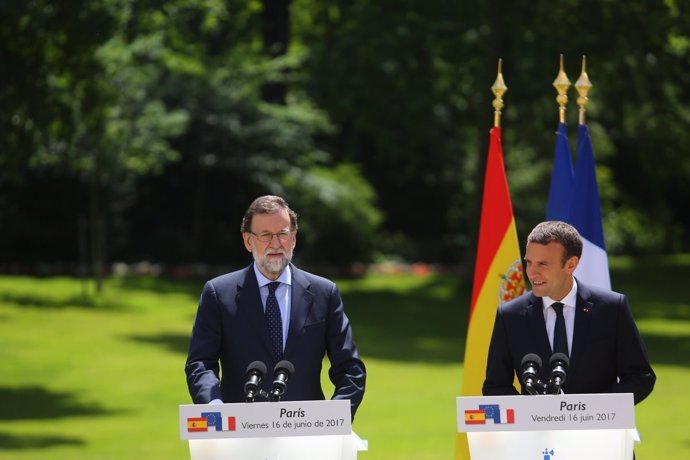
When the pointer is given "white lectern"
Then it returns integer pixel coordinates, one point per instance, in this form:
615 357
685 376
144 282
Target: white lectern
549 427
295 430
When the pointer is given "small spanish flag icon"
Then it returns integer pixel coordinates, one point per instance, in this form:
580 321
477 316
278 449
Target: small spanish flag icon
475 417
196 424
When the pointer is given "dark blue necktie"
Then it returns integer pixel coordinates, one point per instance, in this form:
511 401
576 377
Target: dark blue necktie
275 323
560 337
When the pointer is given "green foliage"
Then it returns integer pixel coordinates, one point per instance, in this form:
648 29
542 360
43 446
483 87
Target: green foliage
176 91
48 62
396 89
157 112
138 126
417 78
339 223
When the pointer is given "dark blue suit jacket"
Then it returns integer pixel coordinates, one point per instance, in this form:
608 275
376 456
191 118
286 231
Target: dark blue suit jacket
607 354
230 329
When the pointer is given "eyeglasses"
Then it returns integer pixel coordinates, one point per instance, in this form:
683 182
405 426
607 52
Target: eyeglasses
267 237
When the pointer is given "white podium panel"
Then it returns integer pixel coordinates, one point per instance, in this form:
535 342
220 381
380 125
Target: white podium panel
548 427
552 445
295 430
337 447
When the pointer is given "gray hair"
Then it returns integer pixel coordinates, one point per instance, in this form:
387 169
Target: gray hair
267 204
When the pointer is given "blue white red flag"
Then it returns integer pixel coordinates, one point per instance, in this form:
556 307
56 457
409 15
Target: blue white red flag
585 215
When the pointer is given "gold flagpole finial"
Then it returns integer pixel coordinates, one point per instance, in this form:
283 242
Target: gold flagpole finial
498 88
561 83
583 85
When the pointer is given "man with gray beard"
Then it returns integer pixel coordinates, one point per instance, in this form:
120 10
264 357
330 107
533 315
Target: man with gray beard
272 311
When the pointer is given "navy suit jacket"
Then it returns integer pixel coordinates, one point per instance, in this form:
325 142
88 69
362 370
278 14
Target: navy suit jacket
230 329
607 353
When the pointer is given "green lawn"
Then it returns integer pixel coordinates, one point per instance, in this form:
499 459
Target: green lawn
101 378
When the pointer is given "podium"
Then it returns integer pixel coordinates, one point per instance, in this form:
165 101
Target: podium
549 427
294 430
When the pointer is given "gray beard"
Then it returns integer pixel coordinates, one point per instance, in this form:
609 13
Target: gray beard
276 267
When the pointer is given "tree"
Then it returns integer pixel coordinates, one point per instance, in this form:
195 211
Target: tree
407 87
178 113
250 132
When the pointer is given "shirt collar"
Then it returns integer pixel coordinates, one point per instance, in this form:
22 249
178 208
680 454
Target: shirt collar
285 277
570 299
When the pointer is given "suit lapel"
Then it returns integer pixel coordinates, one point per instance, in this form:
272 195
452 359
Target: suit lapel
249 303
302 301
535 314
583 324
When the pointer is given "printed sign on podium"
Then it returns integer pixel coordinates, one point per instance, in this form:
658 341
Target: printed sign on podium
549 427
294 430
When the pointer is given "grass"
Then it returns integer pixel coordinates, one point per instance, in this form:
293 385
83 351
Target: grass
101 378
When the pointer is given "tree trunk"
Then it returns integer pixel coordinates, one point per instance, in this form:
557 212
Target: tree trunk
97 231
275 32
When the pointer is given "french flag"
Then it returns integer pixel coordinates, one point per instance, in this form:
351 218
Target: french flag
507 415
585 216
562 178
497 415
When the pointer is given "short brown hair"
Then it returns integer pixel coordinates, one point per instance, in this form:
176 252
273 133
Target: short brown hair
556 231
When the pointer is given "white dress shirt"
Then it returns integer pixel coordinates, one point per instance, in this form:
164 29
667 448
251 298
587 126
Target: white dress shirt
568 313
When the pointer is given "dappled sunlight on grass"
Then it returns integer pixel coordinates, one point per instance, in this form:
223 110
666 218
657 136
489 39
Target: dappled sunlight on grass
117 294
83 372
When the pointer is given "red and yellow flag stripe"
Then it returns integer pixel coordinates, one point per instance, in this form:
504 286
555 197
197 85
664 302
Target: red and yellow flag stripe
498 274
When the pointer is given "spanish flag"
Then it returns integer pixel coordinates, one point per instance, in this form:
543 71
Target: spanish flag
498 273
195 424
475 417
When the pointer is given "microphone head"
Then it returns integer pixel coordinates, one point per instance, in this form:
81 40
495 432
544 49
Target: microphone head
559 359
559 369
285 366
531 358
256 367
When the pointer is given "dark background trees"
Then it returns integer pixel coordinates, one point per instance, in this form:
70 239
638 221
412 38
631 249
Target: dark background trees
141 130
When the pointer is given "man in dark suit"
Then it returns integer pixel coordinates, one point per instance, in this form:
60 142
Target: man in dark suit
231 328
606 352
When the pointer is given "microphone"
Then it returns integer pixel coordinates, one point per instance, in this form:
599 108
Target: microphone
283 371
255 372
559 369
531 363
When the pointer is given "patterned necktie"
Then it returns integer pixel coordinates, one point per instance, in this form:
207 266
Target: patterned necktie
560 338
275 324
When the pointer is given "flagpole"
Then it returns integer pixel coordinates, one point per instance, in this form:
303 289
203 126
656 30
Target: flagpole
561 83
586 216
498 273
583 85
562 174
499 88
